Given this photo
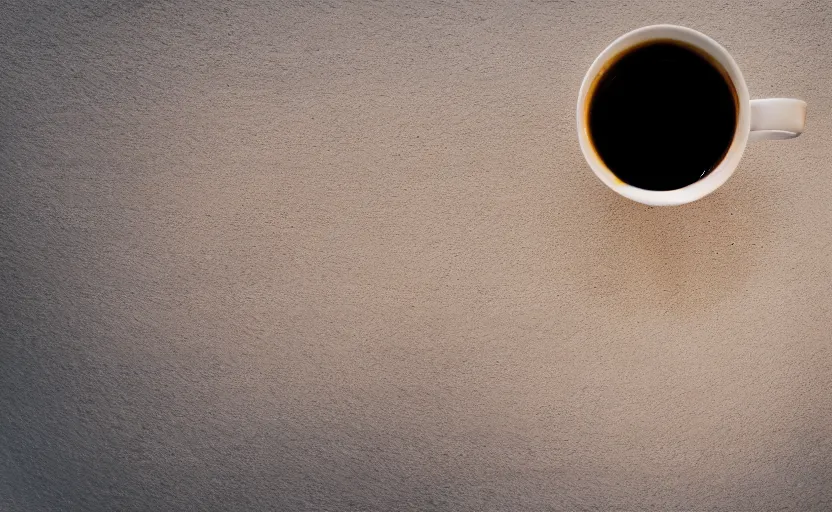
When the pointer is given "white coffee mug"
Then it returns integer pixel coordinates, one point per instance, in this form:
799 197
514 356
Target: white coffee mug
773 118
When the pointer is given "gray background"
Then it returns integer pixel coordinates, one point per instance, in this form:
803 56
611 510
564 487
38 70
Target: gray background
348 256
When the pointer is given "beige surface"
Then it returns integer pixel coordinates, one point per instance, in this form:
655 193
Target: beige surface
313 256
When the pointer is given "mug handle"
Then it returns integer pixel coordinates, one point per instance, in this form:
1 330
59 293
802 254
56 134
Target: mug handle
777 118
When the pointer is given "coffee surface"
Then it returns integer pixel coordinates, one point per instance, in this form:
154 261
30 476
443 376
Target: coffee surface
662 116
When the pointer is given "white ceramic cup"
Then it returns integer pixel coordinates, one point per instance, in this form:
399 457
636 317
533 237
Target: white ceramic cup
773 118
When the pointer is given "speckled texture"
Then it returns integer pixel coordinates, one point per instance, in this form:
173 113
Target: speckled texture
348 256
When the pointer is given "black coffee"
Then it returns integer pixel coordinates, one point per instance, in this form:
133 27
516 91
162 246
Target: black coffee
662 116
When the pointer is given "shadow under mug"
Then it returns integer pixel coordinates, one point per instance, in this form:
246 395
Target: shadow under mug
773 118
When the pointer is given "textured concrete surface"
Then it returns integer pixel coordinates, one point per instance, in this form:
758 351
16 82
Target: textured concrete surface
347 256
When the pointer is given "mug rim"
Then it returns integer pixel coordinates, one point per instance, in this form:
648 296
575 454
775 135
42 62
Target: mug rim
720 174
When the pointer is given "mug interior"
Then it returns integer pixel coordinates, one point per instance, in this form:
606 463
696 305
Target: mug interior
721 59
